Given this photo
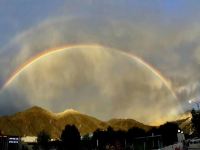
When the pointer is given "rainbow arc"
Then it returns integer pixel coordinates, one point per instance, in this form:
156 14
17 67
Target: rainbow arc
47 52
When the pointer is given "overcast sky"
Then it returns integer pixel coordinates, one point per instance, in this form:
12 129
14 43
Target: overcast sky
165 34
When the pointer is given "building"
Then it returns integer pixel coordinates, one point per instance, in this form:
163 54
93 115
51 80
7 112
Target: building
3 142
29 139
9 142
29 142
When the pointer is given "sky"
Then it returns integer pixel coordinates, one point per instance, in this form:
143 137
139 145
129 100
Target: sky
146 59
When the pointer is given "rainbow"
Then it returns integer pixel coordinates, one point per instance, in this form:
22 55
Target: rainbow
47 52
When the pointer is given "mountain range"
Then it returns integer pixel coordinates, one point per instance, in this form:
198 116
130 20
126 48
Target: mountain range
35 119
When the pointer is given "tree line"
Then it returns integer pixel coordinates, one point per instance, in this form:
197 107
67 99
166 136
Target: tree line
70 138
195 123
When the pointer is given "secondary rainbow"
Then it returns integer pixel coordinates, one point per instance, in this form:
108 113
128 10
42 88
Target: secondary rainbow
47 52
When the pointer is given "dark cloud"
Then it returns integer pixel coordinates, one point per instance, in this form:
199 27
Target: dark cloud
12 101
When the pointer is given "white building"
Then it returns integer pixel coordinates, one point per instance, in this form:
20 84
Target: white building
29 139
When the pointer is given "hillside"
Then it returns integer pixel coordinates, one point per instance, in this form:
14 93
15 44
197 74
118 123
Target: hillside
36 119
125 124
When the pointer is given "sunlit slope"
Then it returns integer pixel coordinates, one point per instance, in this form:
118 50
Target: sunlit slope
36 119
125 124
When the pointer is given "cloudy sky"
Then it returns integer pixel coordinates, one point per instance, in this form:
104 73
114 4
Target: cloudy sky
108 80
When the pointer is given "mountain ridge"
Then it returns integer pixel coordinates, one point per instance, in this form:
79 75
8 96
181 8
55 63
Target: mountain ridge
35 119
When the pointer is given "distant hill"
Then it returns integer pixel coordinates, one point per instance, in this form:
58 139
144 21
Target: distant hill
125 124
36 119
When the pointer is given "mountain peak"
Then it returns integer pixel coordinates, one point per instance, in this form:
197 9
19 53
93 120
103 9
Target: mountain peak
67 111
70 111
37 109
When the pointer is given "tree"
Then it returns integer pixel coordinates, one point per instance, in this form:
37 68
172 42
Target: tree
98 139
135 133
43 139
196 122
70 137
169 133
86 142
108 139
153 131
